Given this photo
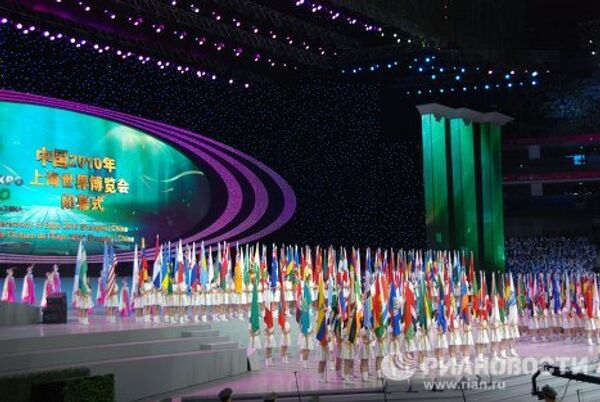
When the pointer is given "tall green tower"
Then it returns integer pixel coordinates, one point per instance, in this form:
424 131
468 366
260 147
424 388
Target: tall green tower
462 172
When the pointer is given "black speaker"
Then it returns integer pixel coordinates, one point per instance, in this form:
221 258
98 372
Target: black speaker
57 299
55 311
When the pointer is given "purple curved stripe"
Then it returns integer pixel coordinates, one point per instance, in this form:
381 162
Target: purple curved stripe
197 145
261 196
289 197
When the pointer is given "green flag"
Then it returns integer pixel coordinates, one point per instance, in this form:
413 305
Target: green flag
254 310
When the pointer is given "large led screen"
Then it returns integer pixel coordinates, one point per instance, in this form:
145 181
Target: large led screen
64 175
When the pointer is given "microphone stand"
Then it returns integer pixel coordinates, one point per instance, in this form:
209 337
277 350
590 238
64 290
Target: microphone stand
297 386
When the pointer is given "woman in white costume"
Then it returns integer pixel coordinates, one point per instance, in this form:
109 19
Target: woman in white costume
111 302
83 300
365 351
349 335
325 353
147 299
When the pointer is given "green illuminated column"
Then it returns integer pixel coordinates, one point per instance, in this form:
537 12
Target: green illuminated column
491 196
462 175
435 181
464 189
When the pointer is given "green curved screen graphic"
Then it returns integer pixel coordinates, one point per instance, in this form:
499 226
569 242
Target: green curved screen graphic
64 175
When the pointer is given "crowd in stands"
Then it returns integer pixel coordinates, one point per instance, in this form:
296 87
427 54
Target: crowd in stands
549 253
563 105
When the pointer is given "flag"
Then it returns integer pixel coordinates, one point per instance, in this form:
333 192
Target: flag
379 310
112 274
225 265
77 272
143 273
441 313
102 279
157 269
394 310
254 310
281 318
238 274
268 319
305 309
135 275
180 264
424 307
80 280
210 275
321 314
495 314
352 326
511 301
197 266
274 275
368 306
343 305
464 300
409 311
203 270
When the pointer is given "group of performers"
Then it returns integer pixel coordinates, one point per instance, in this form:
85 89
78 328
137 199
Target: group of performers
350 306
9 290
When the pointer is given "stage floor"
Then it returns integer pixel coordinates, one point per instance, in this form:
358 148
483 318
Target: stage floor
98 324
281 378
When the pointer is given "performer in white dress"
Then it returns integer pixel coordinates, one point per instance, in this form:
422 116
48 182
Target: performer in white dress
83 300
367 340
325 353
285 341
148 299
111 302
48 289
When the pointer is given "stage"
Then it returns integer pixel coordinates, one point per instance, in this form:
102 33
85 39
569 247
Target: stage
146 359
501 379
194 361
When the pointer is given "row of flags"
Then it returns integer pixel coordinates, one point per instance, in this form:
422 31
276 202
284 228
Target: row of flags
404 290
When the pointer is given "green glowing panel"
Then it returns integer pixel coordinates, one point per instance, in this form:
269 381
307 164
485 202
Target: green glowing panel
435 181
464 189
491 197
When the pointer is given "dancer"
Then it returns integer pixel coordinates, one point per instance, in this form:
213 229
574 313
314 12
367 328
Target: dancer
9 289
28 292
56 279
48 289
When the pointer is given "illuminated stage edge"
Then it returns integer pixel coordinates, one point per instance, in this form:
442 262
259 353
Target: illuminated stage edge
210 152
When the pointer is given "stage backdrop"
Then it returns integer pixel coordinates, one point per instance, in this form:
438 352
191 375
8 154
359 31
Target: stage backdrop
64 175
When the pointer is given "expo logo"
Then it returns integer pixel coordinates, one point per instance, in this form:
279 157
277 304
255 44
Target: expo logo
8 180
